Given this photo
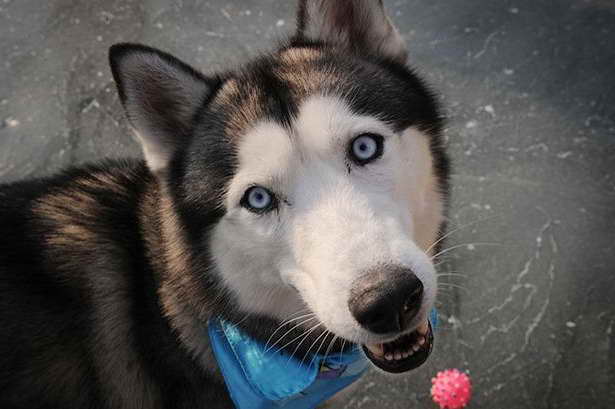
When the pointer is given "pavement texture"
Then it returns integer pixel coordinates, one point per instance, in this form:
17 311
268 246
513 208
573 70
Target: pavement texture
528 284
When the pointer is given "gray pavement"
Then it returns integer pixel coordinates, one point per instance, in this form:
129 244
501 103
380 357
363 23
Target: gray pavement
528 86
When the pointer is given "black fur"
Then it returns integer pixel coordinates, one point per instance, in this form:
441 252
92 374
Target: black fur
52 296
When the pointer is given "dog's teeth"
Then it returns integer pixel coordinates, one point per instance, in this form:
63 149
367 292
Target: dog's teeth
392 354
423 328
376 349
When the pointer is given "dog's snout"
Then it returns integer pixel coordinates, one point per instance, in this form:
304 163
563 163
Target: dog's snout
385 301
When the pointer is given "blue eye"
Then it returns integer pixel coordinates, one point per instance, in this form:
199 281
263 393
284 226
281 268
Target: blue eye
366 148
258 199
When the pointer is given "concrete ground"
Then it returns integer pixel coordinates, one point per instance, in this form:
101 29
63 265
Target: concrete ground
529 90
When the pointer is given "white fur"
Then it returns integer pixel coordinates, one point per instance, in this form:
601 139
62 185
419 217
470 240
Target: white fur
332 225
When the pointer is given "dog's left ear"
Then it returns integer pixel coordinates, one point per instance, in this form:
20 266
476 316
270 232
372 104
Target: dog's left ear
161 96
358 25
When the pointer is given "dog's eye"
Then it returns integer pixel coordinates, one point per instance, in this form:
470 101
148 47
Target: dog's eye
258 200
366 148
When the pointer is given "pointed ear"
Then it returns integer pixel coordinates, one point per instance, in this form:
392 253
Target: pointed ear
357 25
161 96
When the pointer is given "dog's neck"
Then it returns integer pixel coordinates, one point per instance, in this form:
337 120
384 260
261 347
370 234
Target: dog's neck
182 300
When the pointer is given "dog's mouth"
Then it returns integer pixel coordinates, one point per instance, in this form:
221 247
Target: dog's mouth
403 354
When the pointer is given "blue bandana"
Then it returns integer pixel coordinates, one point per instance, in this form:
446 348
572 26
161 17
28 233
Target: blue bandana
258 378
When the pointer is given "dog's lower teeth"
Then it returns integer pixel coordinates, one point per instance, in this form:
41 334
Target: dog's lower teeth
402 347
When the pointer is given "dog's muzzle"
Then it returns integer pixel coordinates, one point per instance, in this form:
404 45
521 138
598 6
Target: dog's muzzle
386 301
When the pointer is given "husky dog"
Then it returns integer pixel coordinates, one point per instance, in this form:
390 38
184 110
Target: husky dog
300 197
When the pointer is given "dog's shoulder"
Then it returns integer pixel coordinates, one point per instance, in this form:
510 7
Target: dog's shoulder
59 221
63 238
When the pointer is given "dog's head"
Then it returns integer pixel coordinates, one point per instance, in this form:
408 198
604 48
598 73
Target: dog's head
310 183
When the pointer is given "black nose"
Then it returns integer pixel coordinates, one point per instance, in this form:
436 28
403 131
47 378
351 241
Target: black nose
386 300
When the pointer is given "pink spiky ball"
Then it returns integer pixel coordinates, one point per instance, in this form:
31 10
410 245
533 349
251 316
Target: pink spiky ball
451 389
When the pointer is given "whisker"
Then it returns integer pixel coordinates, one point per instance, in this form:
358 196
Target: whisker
445 289
465 245
325 333
285 323
301 342
236 324
302 310
288 332
457 229
304 335
342 350
451 285
329 347
320 346
451 273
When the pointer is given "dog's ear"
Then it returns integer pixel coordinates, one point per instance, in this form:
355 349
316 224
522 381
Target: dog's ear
161 96
358 25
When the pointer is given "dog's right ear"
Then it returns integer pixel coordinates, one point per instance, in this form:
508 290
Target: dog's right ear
161 96
357 25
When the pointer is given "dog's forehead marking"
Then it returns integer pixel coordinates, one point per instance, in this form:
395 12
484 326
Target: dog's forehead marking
269 153
268 146
299 74
324 122
321 121
265 156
